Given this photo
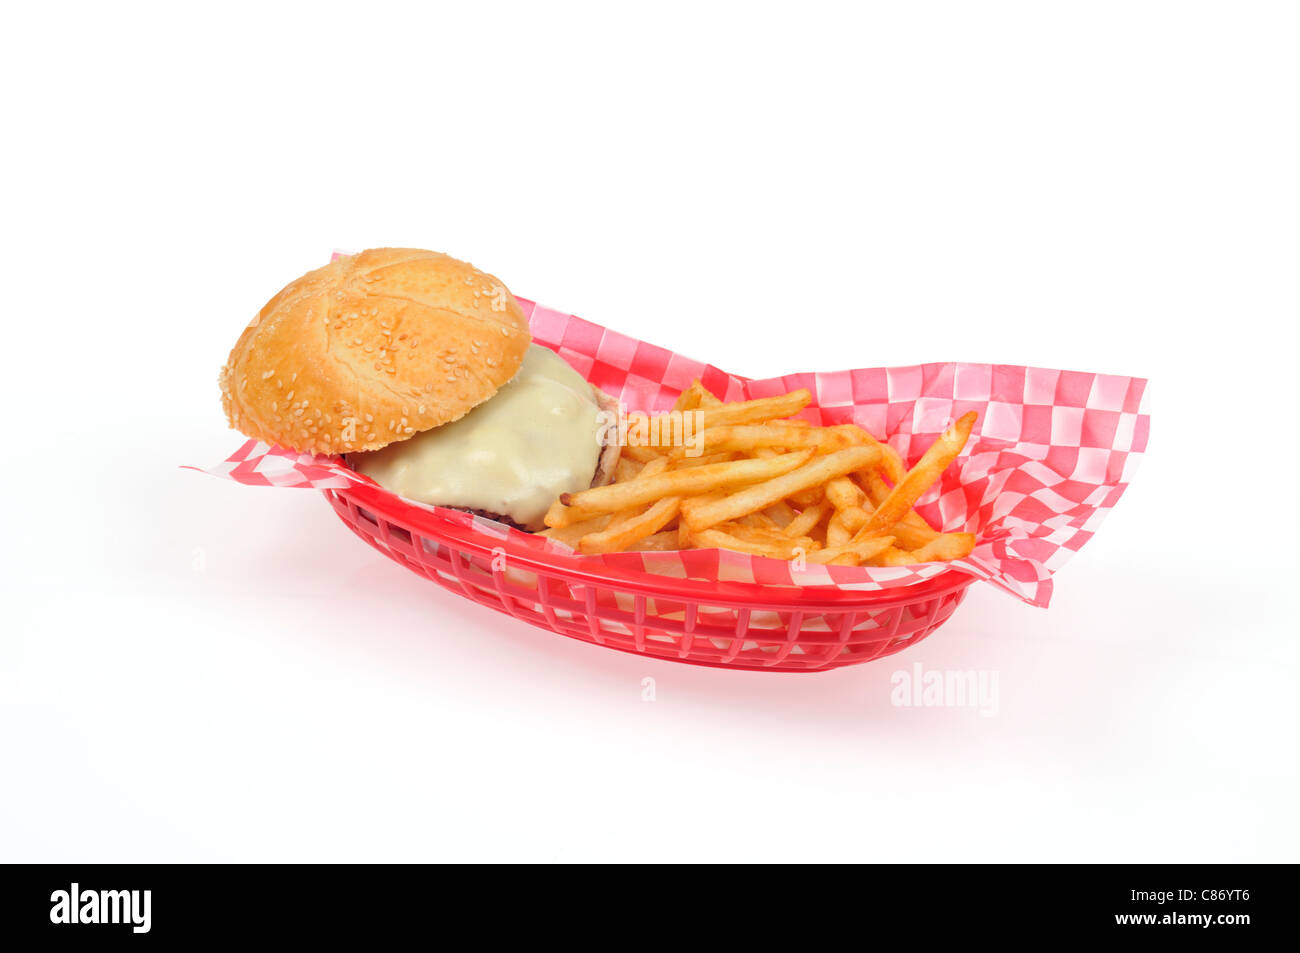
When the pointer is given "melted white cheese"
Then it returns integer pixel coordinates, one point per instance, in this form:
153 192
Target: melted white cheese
512 455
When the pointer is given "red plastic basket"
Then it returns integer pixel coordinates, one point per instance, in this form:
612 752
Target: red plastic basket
723 624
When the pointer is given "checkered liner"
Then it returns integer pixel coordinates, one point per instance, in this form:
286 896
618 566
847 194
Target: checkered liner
1050 455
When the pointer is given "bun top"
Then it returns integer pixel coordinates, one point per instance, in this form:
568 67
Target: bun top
373 349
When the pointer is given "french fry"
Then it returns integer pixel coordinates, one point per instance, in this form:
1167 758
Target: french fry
912 530
717 539
852 518
707 397
625 469
843 493
570 535
684 462
890 556
695 397
761 534
657 465
624 534
659 542
874 485
755 479
684 540
911 536
740 412
809 497
780 513
652 467
861 551
818 532
944 548
700 516
760 520
572 507
803 523
688 399
890 461
746 437
639 454
919 479
837 534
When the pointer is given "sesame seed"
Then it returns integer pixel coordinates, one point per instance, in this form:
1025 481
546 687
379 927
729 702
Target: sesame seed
268 375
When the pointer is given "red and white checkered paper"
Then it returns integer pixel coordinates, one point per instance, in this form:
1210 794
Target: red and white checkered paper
1050 455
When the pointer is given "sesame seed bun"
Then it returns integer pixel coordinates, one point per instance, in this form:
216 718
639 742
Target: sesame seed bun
372 349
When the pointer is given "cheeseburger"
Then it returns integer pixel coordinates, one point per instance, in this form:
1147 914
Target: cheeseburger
420 368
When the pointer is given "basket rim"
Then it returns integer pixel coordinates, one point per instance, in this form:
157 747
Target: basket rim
430 524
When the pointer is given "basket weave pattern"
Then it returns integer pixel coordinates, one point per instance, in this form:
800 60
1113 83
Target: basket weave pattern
731 625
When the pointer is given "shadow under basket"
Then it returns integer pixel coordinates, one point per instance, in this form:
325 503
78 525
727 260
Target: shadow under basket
722 624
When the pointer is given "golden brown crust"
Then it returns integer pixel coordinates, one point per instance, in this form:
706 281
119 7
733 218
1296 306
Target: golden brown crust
373 349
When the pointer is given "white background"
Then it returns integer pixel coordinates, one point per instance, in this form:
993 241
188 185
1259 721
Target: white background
196 670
